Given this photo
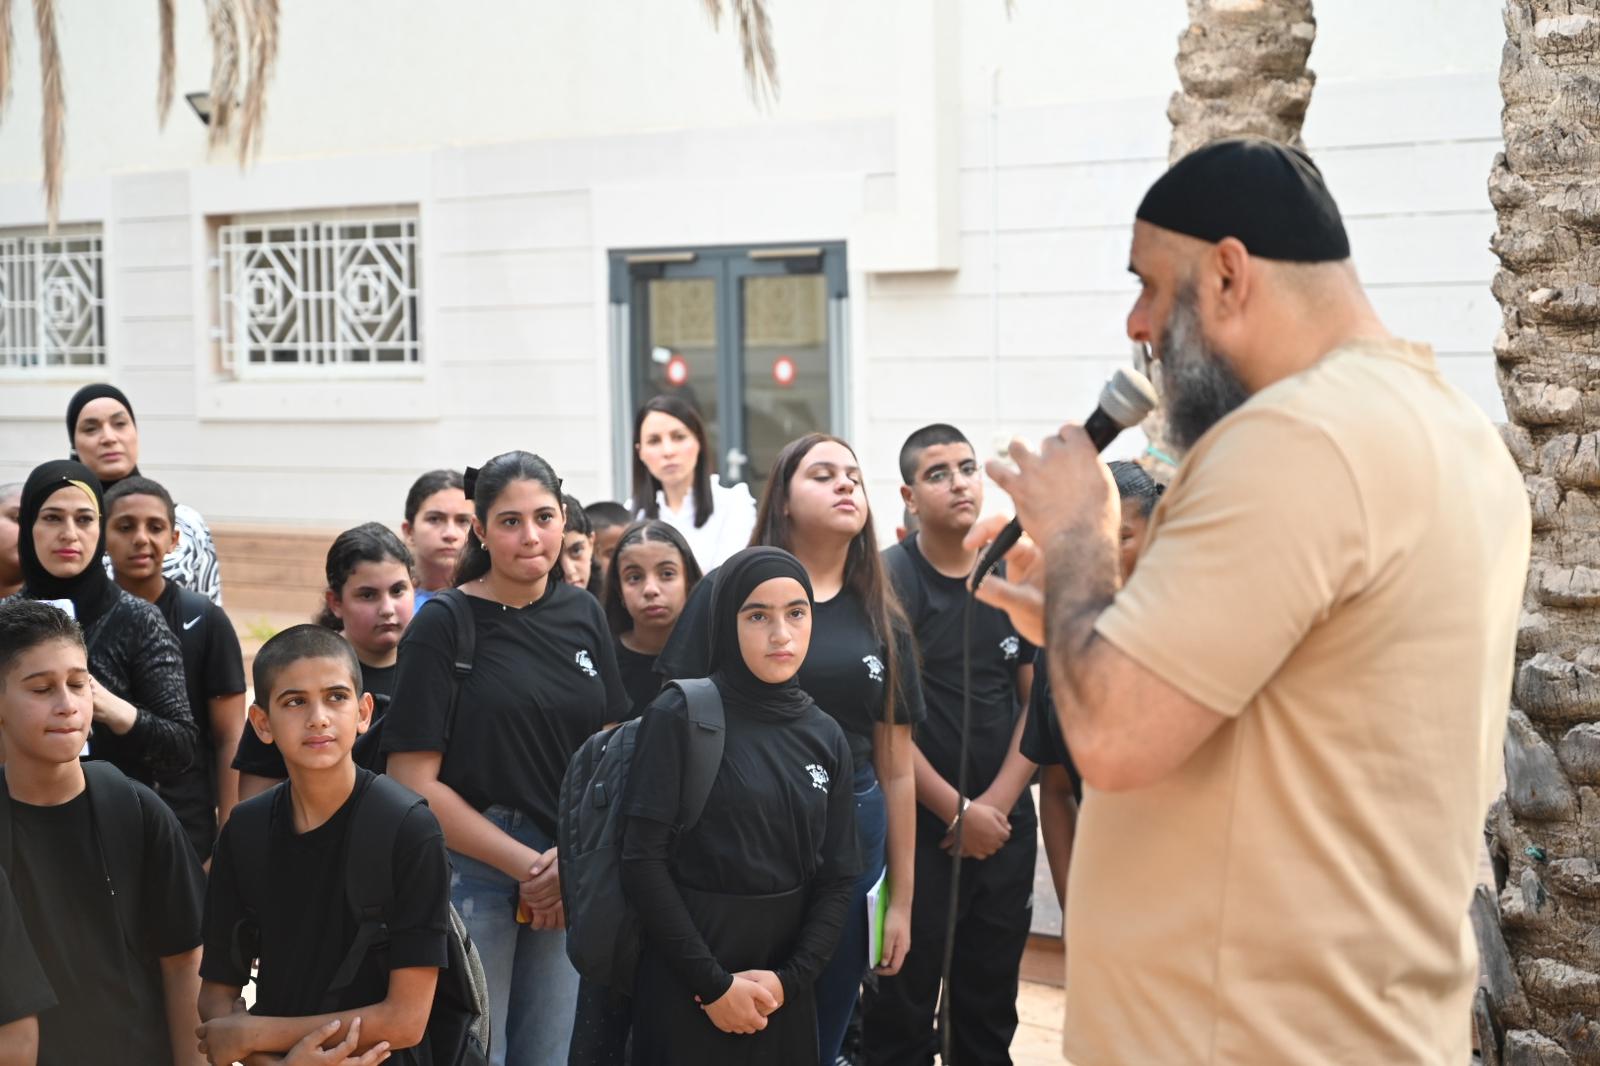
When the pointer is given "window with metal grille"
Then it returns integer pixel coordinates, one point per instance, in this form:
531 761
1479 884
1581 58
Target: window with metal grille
319 293
52 299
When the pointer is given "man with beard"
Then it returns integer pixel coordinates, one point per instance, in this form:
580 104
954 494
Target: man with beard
1289 719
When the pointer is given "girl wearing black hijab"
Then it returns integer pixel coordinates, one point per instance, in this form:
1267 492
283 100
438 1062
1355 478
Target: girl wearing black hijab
142 723
105 438
743 910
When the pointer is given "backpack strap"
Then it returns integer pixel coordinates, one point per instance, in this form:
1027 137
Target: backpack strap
369 874
118 812
5 822
708 729
250 842
466 649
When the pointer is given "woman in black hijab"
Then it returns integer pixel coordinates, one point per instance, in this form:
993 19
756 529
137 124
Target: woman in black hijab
105 437
742 911
142 722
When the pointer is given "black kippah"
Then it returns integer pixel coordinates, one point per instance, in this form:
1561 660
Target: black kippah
1267 195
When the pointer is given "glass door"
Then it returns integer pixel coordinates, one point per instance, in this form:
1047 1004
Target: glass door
752 337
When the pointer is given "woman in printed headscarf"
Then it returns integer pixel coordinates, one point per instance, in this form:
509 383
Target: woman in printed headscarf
142 722
742 910
105 438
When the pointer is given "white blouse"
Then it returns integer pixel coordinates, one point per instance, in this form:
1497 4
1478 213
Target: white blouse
733 519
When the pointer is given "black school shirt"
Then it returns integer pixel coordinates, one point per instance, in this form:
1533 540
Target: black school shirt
109 994
24 989
639 678
935 604
845 670
1042 741
265 760
306 924
780 815
213 666
544 679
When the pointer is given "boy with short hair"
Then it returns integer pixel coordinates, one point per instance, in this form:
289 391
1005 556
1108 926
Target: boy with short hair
295 919
108 889
607 520
141 528
943 493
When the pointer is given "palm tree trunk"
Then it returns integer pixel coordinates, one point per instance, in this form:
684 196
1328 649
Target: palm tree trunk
1242 68
1541 939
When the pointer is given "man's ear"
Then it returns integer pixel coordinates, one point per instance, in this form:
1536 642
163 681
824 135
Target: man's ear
1232 264
365 707
908 498
260 723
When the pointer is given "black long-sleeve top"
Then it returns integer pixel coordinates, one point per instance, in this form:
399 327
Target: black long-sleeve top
134 654
781 816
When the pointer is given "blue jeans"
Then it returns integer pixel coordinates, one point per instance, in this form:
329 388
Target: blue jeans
839 985
533 989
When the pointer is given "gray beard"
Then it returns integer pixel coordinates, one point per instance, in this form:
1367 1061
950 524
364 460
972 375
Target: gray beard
1198 388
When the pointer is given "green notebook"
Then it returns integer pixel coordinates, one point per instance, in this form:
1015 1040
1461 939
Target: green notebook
877 911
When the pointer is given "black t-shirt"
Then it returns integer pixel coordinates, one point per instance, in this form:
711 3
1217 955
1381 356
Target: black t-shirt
306 924
265 760
1042 741
936 605
24 989
110 999
639 678
544 679
845 670
213 666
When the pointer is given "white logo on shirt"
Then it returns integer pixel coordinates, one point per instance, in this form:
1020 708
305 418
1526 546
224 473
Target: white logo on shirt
1011 647
191 623
874 666
819 776
586 664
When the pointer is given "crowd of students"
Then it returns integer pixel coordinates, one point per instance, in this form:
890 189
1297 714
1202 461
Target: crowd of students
468 659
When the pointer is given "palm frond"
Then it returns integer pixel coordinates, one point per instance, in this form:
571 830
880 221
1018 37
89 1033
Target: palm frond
169 60
755 41
263 55
54 122
760 60
224 25
5 51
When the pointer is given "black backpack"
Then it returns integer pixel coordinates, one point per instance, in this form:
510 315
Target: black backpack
603 931
458 1026
368 752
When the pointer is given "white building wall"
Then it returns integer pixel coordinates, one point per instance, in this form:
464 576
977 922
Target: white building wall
532 138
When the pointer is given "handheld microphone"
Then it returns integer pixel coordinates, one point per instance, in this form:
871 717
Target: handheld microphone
1125 401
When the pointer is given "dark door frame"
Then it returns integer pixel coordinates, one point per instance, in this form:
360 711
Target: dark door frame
631 269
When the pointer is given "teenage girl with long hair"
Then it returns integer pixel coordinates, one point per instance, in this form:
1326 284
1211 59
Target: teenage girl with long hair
369 599
543 679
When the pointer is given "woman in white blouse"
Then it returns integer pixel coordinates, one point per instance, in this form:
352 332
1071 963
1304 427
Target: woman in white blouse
673 481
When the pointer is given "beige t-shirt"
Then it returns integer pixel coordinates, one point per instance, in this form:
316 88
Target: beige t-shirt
1338 569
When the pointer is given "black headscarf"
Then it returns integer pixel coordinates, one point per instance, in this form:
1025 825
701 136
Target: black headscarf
82 398
736 579
90 591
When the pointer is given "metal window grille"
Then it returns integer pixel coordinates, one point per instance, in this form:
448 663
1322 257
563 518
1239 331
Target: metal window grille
52 301
313 293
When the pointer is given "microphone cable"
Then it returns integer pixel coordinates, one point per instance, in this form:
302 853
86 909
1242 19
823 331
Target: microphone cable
946 1036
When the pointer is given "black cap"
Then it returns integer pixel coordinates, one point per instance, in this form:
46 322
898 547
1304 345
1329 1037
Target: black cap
1269 196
